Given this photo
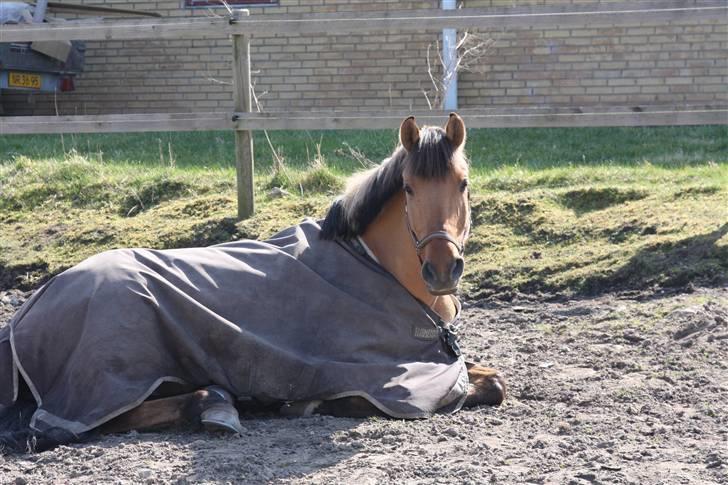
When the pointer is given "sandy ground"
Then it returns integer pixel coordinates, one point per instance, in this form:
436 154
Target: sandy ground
615 389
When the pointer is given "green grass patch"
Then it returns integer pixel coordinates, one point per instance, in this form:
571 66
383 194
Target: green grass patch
317 178
506 148
555 211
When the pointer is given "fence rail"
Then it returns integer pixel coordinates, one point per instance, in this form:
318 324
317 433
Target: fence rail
362 120
432 20
115 123
485 118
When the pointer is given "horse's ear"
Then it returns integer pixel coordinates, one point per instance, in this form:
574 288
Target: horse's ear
409 134
455 131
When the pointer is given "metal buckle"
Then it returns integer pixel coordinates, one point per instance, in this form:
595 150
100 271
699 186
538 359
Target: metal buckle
450 339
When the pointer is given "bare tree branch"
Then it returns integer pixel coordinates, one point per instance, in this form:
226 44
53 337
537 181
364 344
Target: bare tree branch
471 50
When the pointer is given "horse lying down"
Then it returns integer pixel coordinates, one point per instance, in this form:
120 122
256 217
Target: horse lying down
350 317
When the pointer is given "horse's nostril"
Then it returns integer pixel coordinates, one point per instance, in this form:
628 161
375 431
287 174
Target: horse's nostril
428 273
457 269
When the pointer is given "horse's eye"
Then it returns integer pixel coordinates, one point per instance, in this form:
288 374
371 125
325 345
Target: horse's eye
463 185
408 190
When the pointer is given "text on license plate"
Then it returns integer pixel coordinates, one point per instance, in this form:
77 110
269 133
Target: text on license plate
23 80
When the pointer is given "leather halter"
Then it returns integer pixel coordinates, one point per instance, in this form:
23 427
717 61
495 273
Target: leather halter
421 243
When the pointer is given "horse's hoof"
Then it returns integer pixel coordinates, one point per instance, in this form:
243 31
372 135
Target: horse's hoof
221 418
220 415
495 391
487 387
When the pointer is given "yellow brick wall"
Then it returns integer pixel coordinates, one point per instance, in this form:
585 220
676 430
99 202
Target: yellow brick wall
640 64
636 65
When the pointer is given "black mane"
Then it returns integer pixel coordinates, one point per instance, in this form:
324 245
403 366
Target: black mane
352 212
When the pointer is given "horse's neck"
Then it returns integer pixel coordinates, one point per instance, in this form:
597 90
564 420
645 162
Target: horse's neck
389 239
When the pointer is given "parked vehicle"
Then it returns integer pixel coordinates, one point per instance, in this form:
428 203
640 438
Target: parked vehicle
48 66
25 69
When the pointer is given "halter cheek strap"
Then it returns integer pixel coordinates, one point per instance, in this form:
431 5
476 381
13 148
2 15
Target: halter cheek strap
421 243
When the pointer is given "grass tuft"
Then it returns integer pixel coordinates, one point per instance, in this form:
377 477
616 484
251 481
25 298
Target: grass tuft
146 194
317 178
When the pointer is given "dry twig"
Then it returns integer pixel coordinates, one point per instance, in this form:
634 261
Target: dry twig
471 50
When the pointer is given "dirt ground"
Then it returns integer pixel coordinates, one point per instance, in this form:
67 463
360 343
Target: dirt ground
614 389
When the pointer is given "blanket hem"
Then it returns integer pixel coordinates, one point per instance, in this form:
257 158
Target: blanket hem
77 427
393 414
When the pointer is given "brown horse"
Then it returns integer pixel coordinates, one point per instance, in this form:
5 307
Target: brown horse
411 216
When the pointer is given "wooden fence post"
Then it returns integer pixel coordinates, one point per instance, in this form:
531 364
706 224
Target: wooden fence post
244 163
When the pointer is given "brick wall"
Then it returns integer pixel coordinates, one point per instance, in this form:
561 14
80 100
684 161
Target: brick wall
639 64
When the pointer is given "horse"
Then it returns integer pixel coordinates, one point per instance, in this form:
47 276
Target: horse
408 217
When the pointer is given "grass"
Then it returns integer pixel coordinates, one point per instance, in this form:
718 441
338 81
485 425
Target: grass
556 211
490 149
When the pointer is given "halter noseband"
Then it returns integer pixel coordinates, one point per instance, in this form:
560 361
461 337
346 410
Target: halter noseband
421 243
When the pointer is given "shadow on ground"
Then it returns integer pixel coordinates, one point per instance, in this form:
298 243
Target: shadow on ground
271 448
670 265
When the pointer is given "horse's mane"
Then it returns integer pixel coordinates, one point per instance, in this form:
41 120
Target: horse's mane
367 192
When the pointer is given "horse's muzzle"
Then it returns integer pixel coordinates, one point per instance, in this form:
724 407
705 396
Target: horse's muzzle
443 282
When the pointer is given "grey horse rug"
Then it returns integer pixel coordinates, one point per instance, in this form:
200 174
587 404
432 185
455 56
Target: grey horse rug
293 318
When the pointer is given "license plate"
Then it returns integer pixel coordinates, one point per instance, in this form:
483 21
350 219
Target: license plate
23 80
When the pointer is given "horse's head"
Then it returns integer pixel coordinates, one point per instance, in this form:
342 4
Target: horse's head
429 173
435 182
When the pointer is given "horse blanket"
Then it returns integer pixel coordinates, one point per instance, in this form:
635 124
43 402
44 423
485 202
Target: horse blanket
289 319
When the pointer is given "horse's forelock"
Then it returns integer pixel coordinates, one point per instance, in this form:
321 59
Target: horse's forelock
435 156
